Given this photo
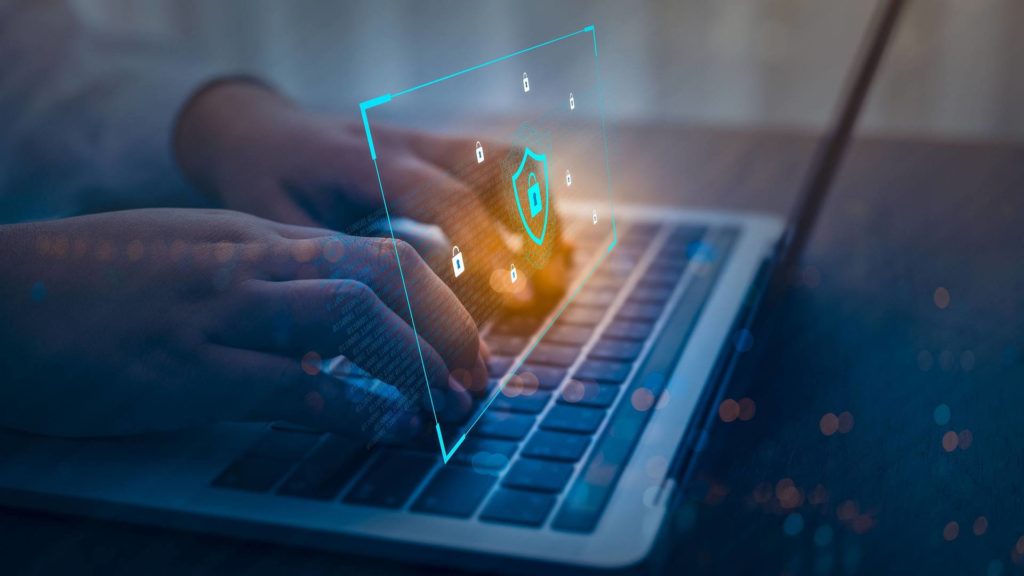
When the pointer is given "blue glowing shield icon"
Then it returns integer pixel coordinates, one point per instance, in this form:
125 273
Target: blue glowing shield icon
537 194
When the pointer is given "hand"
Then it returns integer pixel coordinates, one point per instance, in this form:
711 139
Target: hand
255 152
156 319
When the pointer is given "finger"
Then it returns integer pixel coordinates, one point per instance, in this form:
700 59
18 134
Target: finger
269 386
432 195
345 317
456 156
401 279
446 194
474 207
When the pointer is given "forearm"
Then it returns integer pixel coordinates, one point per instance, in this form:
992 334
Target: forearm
212 123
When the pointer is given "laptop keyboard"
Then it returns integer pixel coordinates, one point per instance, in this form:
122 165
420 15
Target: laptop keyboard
540 455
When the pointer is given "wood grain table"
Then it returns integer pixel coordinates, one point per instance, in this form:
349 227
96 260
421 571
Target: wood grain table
876 424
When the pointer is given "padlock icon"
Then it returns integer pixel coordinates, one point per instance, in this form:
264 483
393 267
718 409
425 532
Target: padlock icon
479 152
513 274
457 263
572 102
526 82
568 178
533 194
595 216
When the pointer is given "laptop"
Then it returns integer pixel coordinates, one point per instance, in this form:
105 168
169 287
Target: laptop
578 474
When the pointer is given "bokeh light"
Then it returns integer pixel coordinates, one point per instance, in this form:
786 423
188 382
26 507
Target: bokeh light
312 363
965 439
980 526
728 410
845 422
951 531
950 440
642 399
829 424
747 409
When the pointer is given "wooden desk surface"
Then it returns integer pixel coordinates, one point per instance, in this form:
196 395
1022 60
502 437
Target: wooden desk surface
910 306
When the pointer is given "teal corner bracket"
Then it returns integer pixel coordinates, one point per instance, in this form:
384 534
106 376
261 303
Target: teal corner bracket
364 107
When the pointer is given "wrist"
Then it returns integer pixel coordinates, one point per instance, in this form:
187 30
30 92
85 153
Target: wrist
212 125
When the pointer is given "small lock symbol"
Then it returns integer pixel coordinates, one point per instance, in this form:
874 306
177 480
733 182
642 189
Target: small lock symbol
479 152
595 216
572 102
457 263
568 178
533 194
526 82
513 273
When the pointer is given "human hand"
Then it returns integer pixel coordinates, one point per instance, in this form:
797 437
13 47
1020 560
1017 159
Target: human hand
156 319
254 151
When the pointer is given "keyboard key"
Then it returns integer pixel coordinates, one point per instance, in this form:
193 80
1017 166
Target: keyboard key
605 282
518 507
639 235
588 394
636 331
498 366
580 315
391 479
454 491
595 297
290 445
603 371
538 475
523 403
668 266
553 355
618 265
326 471
568 335
517 325
639 311
662 277
547 378
577 420
586 499
506 345
504 425
612 349
556 446
651 294
253 473
485 453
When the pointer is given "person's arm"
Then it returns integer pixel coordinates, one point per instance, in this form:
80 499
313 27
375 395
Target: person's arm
87 120
143 320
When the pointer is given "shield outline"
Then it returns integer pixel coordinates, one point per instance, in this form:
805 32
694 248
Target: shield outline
543 160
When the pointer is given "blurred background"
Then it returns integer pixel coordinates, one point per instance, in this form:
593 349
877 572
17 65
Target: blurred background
954 70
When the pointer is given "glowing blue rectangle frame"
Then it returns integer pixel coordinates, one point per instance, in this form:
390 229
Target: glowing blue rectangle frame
374 102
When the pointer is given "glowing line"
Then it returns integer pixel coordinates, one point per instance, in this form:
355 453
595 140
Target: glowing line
412 320
363 107
604 136
366 105
489 62
519 364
